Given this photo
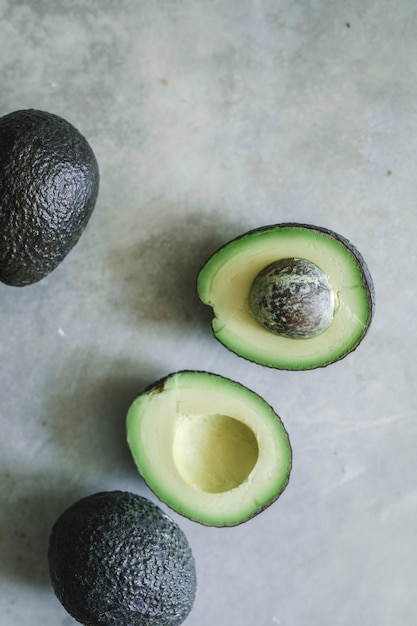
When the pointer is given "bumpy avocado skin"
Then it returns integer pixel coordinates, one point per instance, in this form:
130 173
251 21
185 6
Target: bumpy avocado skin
49 182
116 559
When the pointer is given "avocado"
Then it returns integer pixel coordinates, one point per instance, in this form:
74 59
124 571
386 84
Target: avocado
49 180
289 296
210 448
116 559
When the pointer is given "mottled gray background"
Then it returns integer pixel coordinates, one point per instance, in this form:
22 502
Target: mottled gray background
209 118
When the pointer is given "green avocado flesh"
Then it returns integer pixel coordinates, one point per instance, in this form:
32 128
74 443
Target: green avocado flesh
116 558
226 280
49 182
210 448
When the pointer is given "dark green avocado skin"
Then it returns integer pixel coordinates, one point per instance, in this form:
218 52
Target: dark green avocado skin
117 560
49 181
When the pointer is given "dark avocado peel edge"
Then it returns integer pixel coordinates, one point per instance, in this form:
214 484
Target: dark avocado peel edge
185 504
49 183
353 259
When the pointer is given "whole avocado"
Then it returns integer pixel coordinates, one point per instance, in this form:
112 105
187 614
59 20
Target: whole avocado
49 181
116 559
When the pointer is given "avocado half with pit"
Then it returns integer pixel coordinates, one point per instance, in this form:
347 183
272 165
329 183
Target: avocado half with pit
289 296
210 448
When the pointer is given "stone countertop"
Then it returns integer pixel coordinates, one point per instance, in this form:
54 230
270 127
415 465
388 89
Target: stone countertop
209 119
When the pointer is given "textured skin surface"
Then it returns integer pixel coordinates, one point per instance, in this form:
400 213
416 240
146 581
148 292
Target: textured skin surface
49 182
293 298
117 560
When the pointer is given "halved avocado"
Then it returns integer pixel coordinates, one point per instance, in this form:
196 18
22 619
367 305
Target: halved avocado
336 287
210 448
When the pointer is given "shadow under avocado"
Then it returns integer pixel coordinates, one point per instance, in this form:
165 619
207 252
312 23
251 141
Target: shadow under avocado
26 519
87 423
159 276
87 416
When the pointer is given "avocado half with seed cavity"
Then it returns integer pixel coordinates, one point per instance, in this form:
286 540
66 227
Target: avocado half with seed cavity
289 296
210 448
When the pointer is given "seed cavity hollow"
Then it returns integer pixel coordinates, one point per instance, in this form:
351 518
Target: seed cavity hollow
214 453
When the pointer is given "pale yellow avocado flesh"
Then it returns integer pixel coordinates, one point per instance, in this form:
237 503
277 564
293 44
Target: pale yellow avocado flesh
210 448
225 281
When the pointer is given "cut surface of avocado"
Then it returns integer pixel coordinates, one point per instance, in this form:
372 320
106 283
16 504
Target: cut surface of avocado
210 448
225 282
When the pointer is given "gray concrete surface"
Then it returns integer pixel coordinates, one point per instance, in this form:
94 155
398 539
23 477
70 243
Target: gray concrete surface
207 119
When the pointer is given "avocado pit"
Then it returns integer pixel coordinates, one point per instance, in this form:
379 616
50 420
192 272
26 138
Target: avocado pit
293 297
